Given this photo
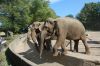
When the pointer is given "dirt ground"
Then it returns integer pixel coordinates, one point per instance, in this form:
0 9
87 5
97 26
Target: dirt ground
29 51
93 41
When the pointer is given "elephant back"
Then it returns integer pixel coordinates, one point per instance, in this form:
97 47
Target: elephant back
73 27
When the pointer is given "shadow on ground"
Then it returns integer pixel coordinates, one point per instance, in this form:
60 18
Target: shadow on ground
33 55
93 42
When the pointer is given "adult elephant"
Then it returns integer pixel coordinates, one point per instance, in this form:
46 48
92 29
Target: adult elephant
64 28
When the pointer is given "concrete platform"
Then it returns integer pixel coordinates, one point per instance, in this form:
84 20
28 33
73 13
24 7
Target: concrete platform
26 51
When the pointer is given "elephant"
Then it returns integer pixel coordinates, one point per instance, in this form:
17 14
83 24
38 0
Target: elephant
31 34
70 43
34 32
64 28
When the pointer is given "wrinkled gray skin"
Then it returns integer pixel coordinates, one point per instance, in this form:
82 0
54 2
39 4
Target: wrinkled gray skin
64 28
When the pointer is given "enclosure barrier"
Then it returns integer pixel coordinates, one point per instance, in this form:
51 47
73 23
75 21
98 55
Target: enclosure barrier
75 59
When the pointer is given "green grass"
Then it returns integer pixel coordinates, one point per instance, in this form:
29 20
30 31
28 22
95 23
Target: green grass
3 60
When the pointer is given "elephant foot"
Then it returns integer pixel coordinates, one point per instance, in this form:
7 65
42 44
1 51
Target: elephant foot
88 53
65 52
74 51
55 54
59 53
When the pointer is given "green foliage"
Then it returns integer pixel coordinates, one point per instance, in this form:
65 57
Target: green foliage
90 16
3 61
3 58
18 14
5 24
70 15
41 10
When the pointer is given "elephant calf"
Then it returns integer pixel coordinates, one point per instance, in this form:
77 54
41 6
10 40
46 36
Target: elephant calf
34 32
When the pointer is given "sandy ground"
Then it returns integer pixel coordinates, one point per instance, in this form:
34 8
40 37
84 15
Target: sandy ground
93 42
28 50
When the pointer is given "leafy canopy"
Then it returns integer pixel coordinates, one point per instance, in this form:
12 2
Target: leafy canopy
16 15
90 16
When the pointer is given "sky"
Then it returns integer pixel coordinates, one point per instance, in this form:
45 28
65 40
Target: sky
66 7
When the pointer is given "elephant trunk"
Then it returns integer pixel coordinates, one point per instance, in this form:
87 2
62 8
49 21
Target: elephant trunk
42 38
35 41
34 37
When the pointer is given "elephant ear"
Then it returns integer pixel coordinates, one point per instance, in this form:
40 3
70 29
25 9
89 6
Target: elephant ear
55 24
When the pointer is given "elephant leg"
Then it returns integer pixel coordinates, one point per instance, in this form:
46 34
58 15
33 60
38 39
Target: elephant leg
48 44
38 46
60 42
87 51
76 45
63 46
55 49
41 49
45 46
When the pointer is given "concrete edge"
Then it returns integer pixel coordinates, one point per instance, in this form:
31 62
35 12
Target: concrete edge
22 58
93 59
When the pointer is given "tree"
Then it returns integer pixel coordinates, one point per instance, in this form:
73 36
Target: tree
16 13
70 15
41 11
20 13
90 16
